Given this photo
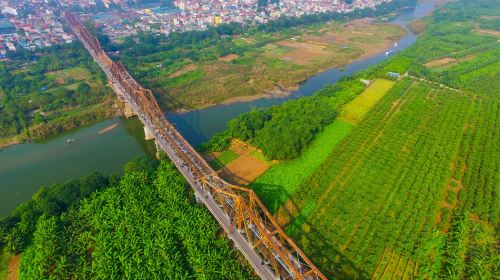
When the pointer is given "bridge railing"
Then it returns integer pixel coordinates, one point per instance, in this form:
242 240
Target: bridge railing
246 212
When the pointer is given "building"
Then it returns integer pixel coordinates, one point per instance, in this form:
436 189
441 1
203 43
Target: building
6 27
217 20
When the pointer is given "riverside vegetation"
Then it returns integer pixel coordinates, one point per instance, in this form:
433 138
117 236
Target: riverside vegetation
201 68
145 224
50 90
59 88
409 188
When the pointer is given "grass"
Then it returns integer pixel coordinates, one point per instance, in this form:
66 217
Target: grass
263 64
258 155
4 263
224 159
284 179
354 112
71 74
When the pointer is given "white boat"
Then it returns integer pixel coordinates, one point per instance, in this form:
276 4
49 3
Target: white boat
70 141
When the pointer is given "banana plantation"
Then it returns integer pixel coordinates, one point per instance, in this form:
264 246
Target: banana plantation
144 227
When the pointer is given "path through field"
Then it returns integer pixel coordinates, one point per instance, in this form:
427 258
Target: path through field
13 273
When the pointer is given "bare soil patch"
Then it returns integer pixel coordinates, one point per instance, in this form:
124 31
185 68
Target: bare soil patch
13 273
324 40
488 32
246 168
301 53
336 45
417 26
228 58
440 62
185 69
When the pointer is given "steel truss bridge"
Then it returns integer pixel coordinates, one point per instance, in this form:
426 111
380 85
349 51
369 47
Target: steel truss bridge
245 219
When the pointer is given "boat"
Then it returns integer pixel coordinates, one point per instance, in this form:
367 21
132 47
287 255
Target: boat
69 141
395 44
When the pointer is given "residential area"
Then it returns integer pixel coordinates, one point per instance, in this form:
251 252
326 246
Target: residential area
33 24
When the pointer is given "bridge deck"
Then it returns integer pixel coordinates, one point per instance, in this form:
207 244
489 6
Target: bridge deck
239 211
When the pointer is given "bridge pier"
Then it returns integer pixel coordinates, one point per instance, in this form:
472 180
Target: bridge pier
148 135
197 198
127 110
158 150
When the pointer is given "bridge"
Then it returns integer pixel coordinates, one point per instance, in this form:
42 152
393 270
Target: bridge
244 218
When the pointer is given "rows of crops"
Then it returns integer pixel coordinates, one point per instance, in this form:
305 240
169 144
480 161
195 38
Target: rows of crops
371 209
477 166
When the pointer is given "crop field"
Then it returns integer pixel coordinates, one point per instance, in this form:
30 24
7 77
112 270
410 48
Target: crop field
284 179
240 164
335 43
265 63
70 75
375 207
355 110
223 159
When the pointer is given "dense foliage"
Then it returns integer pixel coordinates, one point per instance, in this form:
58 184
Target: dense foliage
412 190
17 228
471 249
42 87
281 132
144 225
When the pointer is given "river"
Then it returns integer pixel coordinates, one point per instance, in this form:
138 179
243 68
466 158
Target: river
26 167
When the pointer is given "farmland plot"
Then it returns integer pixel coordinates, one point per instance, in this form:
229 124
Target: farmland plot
370 210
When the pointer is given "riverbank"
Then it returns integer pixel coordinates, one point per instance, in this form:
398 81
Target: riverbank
294 61
82 117
4 143
23 168
267 65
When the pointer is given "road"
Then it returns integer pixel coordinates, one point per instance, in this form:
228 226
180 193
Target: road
239 211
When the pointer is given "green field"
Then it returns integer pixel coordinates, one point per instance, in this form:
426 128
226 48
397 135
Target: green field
70 75
223 159
355 111
381 192
411 190
283 180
